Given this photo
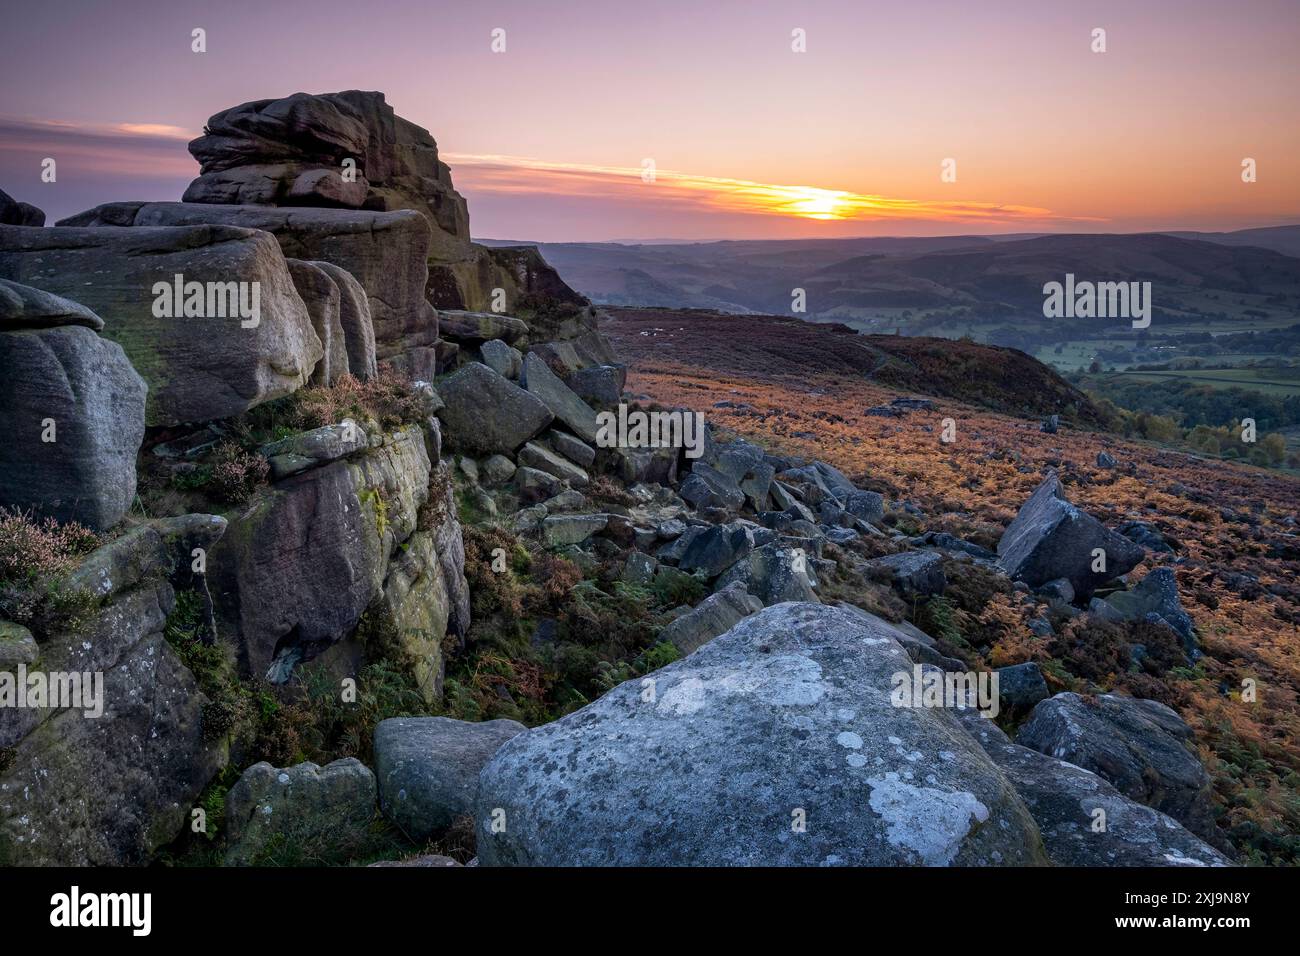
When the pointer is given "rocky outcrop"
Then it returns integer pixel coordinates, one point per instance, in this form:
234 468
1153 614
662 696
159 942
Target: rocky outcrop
794 701
292 151
75 409
109 780
300 565
1139 746
428 769
1051 538
384 252
351 150
319 812
198 367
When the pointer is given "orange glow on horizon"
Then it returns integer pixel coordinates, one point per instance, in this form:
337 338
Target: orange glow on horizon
511 175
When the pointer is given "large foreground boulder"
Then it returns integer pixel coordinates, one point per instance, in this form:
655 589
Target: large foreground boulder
773 744
384 251
428 768
198 367
1051 538
1140 746
75 409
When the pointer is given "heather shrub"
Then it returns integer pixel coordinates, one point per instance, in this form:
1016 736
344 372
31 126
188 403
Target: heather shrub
236 473
35 554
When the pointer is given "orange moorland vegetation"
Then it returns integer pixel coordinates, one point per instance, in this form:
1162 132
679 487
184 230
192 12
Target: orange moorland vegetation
805 389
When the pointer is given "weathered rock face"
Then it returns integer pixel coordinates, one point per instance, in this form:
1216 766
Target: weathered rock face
108 790
197 368
321 296
299 566
75 409
785 717
324 810
355 320
1137 745
1085 821
425 596
481 326
384 252
486 412
428 768
1051 538
15 213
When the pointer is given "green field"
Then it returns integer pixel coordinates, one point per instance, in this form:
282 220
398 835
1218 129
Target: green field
1270 381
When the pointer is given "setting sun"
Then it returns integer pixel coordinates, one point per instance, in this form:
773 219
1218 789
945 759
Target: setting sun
816 204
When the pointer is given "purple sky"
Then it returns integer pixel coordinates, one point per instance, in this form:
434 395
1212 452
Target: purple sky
750 139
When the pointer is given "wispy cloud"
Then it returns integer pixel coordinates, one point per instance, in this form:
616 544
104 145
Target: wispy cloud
124 149
519 176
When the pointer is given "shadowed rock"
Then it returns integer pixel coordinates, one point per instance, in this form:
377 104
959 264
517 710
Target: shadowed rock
15 213
1051 538
1140 746
75 408
1085 821
428 768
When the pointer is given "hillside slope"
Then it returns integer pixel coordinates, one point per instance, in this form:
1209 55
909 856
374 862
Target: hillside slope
788 349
